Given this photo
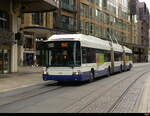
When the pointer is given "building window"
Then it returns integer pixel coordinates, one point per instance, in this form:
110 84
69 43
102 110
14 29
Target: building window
84 10
82 27
37 18
68 23
4 21
22 19
29 44
69 2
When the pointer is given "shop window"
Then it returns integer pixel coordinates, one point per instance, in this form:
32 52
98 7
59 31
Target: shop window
1 61
4 61
4 21
29 44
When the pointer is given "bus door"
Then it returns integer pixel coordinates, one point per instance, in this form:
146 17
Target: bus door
124 60
1 62
112 61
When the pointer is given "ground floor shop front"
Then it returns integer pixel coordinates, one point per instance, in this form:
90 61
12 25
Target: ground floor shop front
140 55
5 55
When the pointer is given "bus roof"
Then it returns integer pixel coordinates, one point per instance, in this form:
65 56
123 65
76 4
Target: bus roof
88 41
127 50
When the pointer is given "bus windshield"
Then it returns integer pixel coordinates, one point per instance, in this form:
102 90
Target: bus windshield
62 54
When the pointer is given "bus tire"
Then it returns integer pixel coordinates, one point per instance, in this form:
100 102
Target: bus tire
60 82
130 66
91 78
108 72
121 70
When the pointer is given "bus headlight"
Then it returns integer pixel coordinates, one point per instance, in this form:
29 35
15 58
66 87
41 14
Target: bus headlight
77 73
45 72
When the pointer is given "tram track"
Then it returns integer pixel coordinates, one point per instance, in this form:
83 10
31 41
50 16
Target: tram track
32 93
112 107
102 93
29 94
53 87
118 101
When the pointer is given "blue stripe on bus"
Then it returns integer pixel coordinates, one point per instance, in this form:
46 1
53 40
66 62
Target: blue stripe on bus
101 73
85 76
82 77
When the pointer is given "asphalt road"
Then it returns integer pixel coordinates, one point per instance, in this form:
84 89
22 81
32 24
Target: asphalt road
126 92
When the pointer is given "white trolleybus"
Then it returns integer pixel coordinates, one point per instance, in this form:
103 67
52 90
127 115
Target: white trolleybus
78 57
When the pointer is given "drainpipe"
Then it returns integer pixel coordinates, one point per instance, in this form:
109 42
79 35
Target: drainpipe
59 14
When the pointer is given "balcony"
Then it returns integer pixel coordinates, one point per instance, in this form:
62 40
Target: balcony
68 7
29 6
65 27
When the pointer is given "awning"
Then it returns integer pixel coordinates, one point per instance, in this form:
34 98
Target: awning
28 6
42 32
37 31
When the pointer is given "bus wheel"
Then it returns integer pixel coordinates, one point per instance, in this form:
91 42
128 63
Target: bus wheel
91 79
108 72
121 70
130 66
60 82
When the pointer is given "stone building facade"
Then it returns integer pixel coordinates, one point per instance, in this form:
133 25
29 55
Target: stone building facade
10 22
108 19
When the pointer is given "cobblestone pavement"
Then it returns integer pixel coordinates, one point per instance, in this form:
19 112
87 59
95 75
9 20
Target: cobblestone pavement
145 99
126 92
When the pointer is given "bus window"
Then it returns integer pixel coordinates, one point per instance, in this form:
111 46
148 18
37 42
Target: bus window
107 56
60 54
78 54
91 55
129 57
118 56
88 55
84 55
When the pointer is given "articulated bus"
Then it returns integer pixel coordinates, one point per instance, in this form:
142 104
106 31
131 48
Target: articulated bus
78 57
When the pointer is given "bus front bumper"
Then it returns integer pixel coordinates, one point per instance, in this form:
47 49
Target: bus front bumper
64 78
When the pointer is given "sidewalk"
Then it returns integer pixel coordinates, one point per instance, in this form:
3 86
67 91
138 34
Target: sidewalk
23 71
140 64
28 76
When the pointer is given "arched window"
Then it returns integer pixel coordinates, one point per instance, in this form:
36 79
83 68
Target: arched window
4 21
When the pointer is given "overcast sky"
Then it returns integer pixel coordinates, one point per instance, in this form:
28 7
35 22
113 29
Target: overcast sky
147 3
